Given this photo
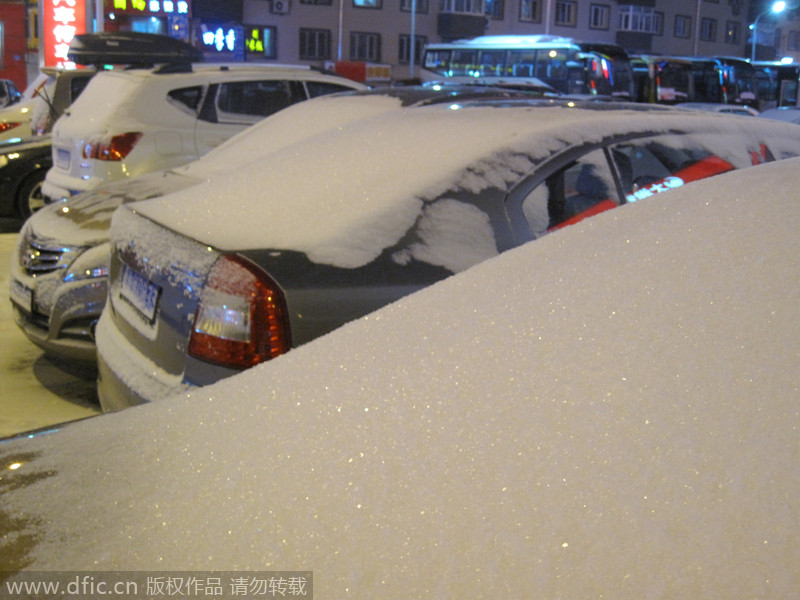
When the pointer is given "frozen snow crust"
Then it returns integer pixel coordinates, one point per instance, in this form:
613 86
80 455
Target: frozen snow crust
611 412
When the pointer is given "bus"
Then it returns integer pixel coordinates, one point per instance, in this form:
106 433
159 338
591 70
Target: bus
710 79
563 64
777 84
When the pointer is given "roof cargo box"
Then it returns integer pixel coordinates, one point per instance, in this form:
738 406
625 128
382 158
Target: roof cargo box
130 48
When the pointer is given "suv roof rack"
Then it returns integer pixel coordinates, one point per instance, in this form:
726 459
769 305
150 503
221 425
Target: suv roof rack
131 48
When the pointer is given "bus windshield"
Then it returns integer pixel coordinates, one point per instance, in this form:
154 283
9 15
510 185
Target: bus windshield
566 66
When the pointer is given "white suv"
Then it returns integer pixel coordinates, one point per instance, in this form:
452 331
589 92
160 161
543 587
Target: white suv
127 123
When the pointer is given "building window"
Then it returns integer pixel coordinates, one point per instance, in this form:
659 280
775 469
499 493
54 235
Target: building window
319 2
495 9
365 46
566 13
733 32
315 44
422 6
793 41
404 48
640 18
599 16
530 10
368 3
708 30
469 7
683 26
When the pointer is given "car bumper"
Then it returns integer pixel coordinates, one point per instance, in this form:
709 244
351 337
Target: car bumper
124 377
65 327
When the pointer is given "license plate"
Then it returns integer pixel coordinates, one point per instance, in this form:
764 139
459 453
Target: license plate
140 293
21 295
62 159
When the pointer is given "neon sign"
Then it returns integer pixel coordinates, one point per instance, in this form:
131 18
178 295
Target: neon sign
220 39
150 7
63 20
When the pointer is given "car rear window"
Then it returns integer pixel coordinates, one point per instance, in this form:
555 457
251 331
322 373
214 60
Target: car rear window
105 92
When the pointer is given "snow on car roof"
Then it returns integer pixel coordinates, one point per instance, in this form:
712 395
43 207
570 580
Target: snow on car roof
379 171
610 411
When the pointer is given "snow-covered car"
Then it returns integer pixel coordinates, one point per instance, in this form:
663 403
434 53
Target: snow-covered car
60 277
610 412
42 103
788 114
733 109
136 121
236 271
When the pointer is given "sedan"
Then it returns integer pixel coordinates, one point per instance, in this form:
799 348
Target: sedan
60 280
239 270
611 412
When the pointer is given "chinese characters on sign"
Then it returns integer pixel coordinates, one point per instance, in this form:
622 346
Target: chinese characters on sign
63 20
151 7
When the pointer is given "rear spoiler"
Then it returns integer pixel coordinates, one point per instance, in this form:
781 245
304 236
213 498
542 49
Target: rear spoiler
130 48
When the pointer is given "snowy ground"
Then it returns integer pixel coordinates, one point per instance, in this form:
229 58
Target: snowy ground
36 391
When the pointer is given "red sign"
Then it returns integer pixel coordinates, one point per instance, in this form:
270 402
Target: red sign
63 19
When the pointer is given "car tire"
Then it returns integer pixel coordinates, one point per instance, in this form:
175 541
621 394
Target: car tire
29 195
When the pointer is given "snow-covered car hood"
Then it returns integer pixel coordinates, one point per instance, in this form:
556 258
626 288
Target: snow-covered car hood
609 412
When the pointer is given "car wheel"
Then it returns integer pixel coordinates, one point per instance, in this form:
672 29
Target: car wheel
29 196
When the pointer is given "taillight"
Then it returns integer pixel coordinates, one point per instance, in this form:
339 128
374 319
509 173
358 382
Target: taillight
8 125
114 148
242 318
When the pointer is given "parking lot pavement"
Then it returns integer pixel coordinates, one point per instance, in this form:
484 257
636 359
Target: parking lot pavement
35 391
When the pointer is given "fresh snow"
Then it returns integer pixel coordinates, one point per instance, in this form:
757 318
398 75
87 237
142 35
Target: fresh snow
357 189
609 412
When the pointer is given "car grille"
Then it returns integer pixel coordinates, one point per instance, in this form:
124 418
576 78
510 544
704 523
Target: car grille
40 256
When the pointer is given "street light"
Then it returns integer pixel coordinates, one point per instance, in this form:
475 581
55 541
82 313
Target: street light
776 8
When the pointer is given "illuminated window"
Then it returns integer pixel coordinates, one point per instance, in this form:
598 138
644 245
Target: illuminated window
368 3
733 32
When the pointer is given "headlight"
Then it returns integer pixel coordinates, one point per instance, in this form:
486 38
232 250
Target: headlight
92 264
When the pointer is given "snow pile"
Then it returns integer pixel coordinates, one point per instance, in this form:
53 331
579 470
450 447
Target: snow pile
609 412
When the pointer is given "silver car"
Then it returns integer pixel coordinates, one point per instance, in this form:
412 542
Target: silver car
59 282
212 280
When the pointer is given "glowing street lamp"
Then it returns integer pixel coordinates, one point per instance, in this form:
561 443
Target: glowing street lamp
776 8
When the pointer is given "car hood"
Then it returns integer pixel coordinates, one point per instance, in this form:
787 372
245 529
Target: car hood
85 219
609 412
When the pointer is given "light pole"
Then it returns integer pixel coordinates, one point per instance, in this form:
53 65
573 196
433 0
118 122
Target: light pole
776 8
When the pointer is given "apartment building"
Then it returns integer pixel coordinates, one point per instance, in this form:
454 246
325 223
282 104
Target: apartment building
380 31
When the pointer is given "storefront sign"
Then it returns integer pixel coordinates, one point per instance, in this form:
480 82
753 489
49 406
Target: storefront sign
154 8
63 20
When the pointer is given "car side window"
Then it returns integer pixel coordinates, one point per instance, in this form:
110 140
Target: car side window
583 187
322 88
187 99
652 166
240 101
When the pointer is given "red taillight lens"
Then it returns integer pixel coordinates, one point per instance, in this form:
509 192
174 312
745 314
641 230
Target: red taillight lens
115 148
242 318
8 125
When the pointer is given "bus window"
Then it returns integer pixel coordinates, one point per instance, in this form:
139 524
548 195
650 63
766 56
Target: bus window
521 63
437 60
463 62
492 63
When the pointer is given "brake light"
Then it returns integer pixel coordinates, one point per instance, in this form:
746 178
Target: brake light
242 318
114 148
8 125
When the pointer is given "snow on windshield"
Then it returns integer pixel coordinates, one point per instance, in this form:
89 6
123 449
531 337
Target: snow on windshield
608 412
